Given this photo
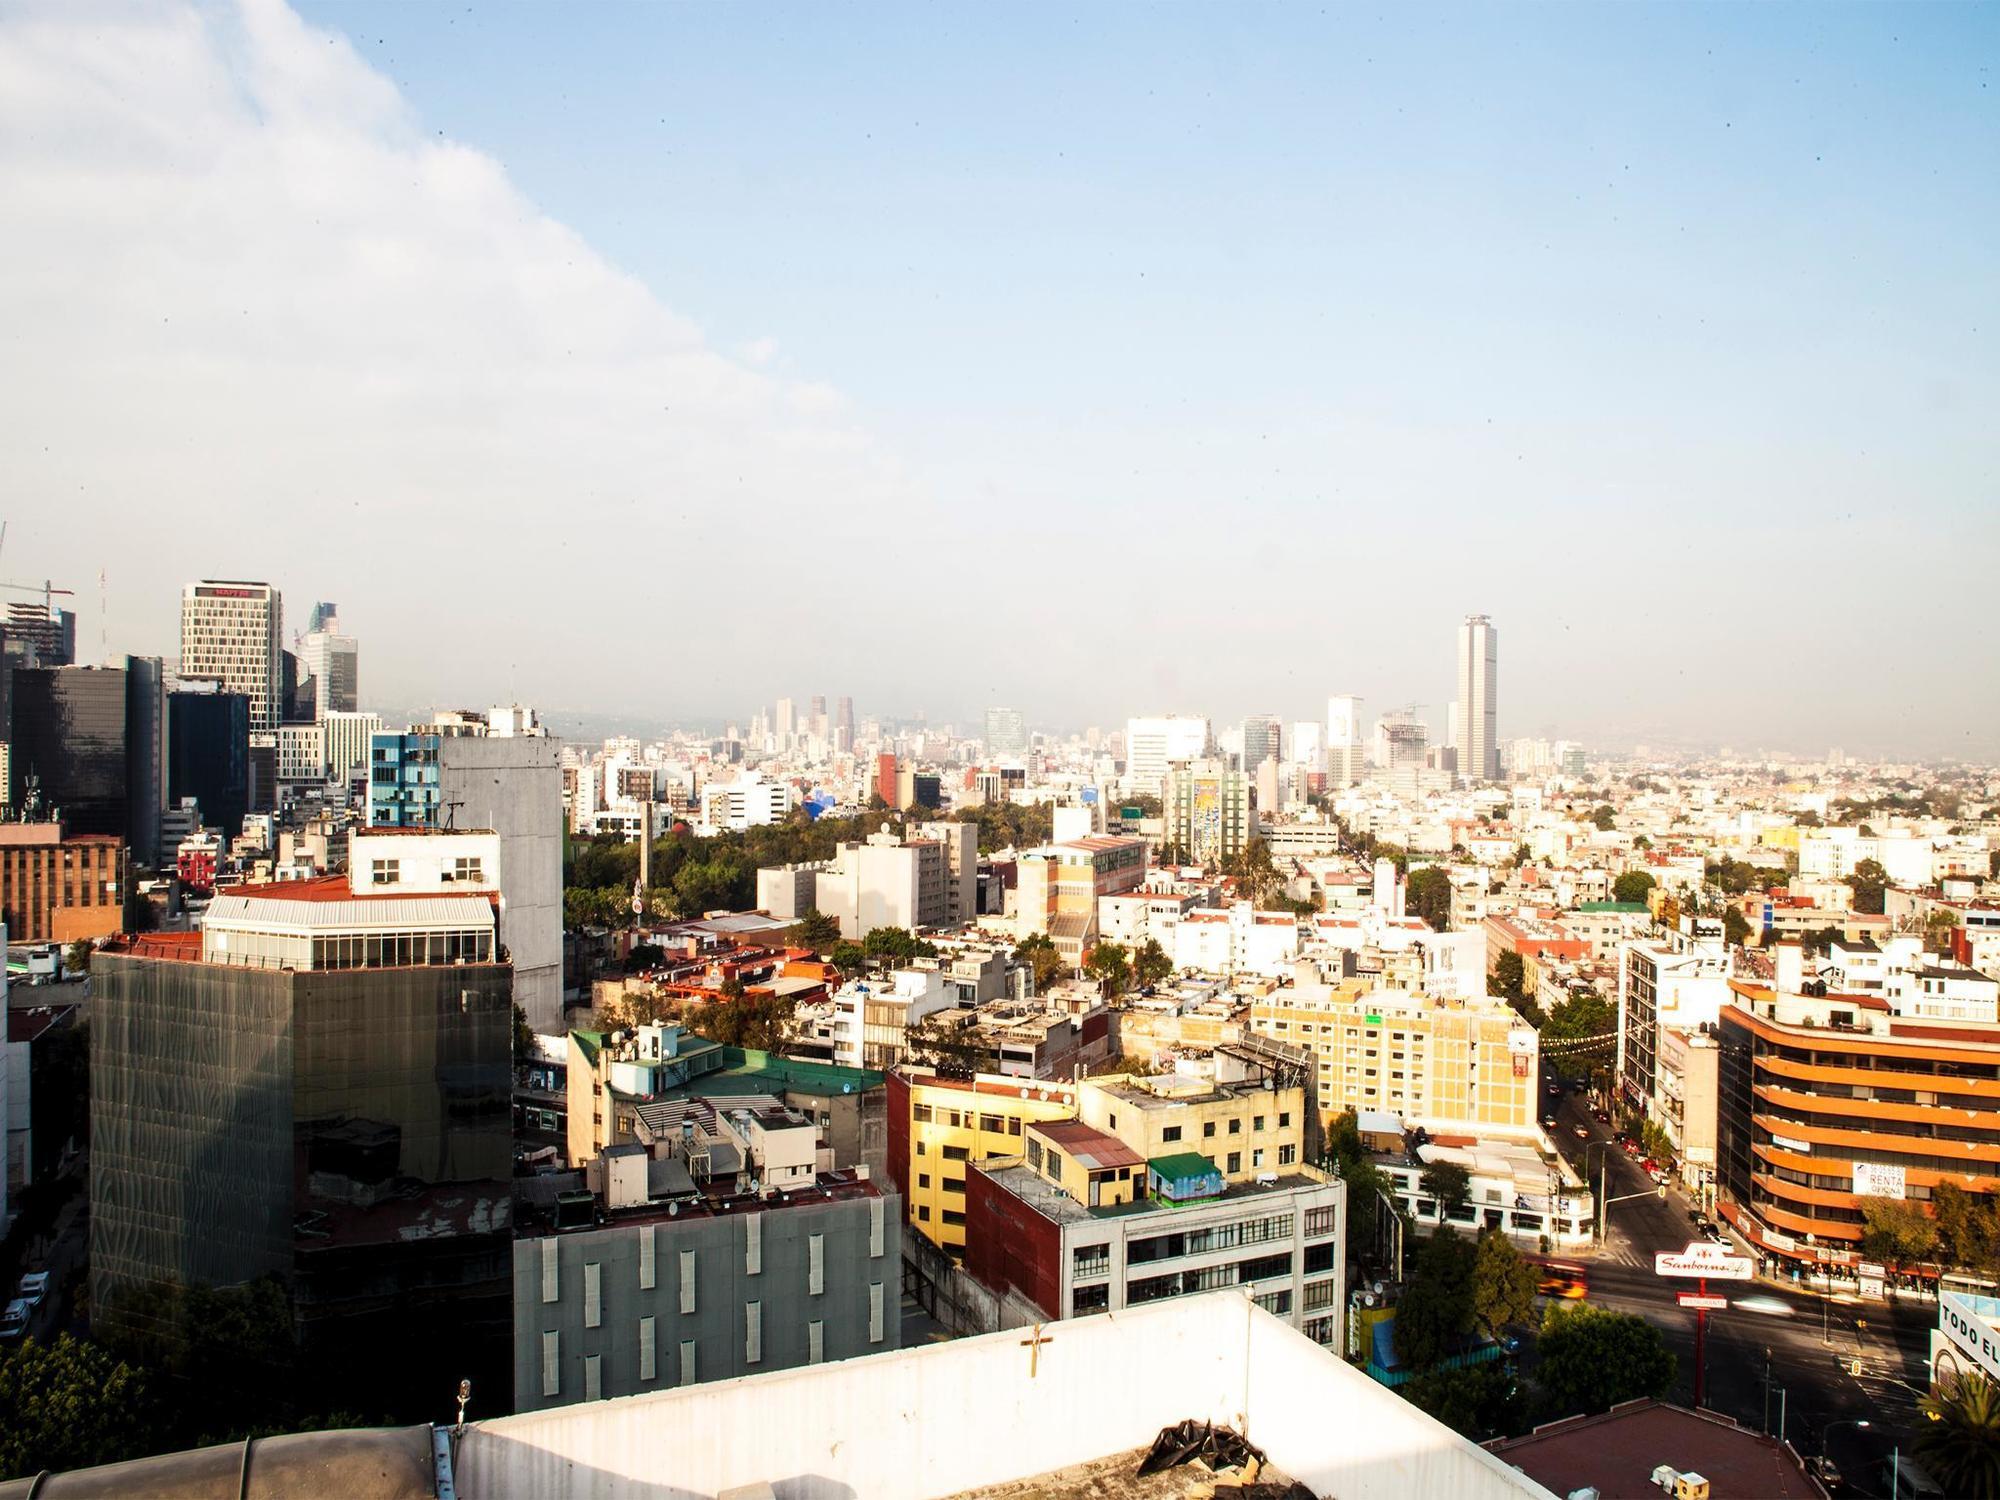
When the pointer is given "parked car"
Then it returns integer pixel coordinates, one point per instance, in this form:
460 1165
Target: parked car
1548 1122
34 1286
1602 1116
1555 1090
14 1321
1581 1133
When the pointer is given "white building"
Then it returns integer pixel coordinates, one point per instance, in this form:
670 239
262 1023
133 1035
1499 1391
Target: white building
333 661
347 737
871 1016
1237 939
1056 1404
1151 745
1346 747
751 801
927 881
1308 749
1478 703
301 755
232 635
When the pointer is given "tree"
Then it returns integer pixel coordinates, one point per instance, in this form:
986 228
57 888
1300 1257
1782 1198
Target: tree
1368 1186
1897 1231
1968 1228
896 944
1150 964
1960 1440
1112 966
1938 928
1604 818
1435 1316
1869 882
1509 978
76 958
1428 895
848 957
1592 1359
1045 961
1735 927
71 1405
1503 1284
816 930
524 1038
1448 1182
1631 887
1475 1401
1254 871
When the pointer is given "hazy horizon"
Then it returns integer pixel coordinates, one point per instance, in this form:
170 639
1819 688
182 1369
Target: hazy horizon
647 362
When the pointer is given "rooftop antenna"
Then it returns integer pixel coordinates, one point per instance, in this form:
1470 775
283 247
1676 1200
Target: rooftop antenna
451 814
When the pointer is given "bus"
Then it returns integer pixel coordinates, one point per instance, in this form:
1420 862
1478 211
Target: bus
1560 1279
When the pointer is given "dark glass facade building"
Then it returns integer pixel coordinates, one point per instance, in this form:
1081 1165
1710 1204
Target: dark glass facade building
208 755
69 737
346 1131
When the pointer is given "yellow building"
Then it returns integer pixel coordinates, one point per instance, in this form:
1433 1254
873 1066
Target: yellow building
1245 1119
1434 1063
1058 887
937 1124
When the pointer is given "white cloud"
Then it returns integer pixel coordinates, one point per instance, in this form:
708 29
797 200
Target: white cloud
256 322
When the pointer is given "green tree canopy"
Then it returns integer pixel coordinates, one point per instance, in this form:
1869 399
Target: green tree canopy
1150 964
1604 818
1509 978
1448 1182
1111 965
1503 1285
1367 1184
1632 887
816 930
848 957
1960 1440
1869 882
1897 1231
71 1405
1476 1401
1435 1314
1428 895
1592 1359
896 945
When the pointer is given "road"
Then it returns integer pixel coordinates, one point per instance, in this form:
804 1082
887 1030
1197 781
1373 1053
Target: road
1777 1348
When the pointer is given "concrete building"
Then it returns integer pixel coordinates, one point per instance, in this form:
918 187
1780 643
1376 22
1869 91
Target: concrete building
1520 1186
871 1016
1151 745
751 801
60 889
1059 885
931 880
1263 737
1065 1412
710 1259
1468 1066
1477 739
1346 747
1681 979
1084 1224
1235 940
1684 1104
349 739
1207 810
315 1088
1006 733
232 634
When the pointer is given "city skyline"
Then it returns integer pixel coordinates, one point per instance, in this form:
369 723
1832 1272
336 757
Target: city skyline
396 319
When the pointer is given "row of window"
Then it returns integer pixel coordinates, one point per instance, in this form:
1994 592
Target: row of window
1173 1132
1211 1238
1206 1279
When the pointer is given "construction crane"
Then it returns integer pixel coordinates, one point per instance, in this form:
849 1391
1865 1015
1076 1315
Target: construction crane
46 588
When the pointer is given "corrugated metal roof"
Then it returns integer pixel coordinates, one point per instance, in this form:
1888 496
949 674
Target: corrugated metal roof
377 913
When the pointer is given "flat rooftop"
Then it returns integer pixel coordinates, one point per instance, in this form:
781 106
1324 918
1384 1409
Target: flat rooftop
1616 1453
1059 1208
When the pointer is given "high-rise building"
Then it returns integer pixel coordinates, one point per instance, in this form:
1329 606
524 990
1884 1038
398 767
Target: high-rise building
1006 732
349 739
1308 748
1207 810
1151 745
333 662
56 889
145 756
231 634
1263 736
843 718
47 628
1478 740
208 755
69 744
315 1088
1344 747
784 725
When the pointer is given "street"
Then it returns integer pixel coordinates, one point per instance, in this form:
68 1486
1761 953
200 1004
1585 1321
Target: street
1778 1355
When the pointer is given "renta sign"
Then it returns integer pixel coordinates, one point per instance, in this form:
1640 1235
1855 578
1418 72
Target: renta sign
1704 1258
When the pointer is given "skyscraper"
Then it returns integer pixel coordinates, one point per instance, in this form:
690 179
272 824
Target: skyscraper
1478 699
1344 751
231 634
333 661
1006 732
1261 737
1151 745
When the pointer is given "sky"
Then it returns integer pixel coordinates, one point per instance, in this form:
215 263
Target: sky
1094 360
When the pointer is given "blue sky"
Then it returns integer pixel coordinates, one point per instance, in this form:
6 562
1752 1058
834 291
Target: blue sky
1283 335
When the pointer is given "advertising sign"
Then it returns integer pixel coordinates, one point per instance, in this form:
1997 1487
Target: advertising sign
1804 1148
1704 1258
1709 1303
1872 1179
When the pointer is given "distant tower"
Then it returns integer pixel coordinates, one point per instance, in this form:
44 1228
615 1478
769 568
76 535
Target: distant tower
1478 740
231 634
1344 749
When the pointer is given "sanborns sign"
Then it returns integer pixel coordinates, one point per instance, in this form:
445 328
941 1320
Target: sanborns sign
1704 1258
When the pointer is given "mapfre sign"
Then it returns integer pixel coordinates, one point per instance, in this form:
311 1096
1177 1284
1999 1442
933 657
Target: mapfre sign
1704 1258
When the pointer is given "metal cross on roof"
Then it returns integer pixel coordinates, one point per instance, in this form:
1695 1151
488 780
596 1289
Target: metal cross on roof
1034 1347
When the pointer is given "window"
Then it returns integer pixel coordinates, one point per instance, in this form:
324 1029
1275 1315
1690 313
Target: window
923 1214
874 1312
593 1377
921 1113
386 871
875 1223
753 1332
1256 1157
549 1282
1235 1161
1208 1130
648 1358
465 869
753 1245
593 1300
1171 1133
1090 1260
951 1216
1287 1155
687 1280
924 1178
1236 1125
551 1364
687 1361
816 1264
815 1342
1257 1123
1090 1299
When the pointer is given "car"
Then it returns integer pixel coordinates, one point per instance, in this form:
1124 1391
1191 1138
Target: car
1629 1147
1696 1218
1827 1473
1555 1091
1602 1116
1548 1122
33 1287
14 1321
1581 1133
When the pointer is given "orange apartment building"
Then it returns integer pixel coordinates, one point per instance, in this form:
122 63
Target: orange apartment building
55 889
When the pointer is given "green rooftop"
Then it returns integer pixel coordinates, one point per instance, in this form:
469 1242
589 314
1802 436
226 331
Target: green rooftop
748 1065
1182 1166
1633 908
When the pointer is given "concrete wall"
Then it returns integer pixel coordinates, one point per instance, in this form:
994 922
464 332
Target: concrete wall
514 787
947 1417
723 1286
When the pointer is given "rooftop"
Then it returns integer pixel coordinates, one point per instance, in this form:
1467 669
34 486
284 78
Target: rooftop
1058 1207
1616 1453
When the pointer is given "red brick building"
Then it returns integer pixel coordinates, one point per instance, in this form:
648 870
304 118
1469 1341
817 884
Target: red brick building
55 889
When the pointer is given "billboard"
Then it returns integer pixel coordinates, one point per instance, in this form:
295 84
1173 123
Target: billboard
1872 1179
